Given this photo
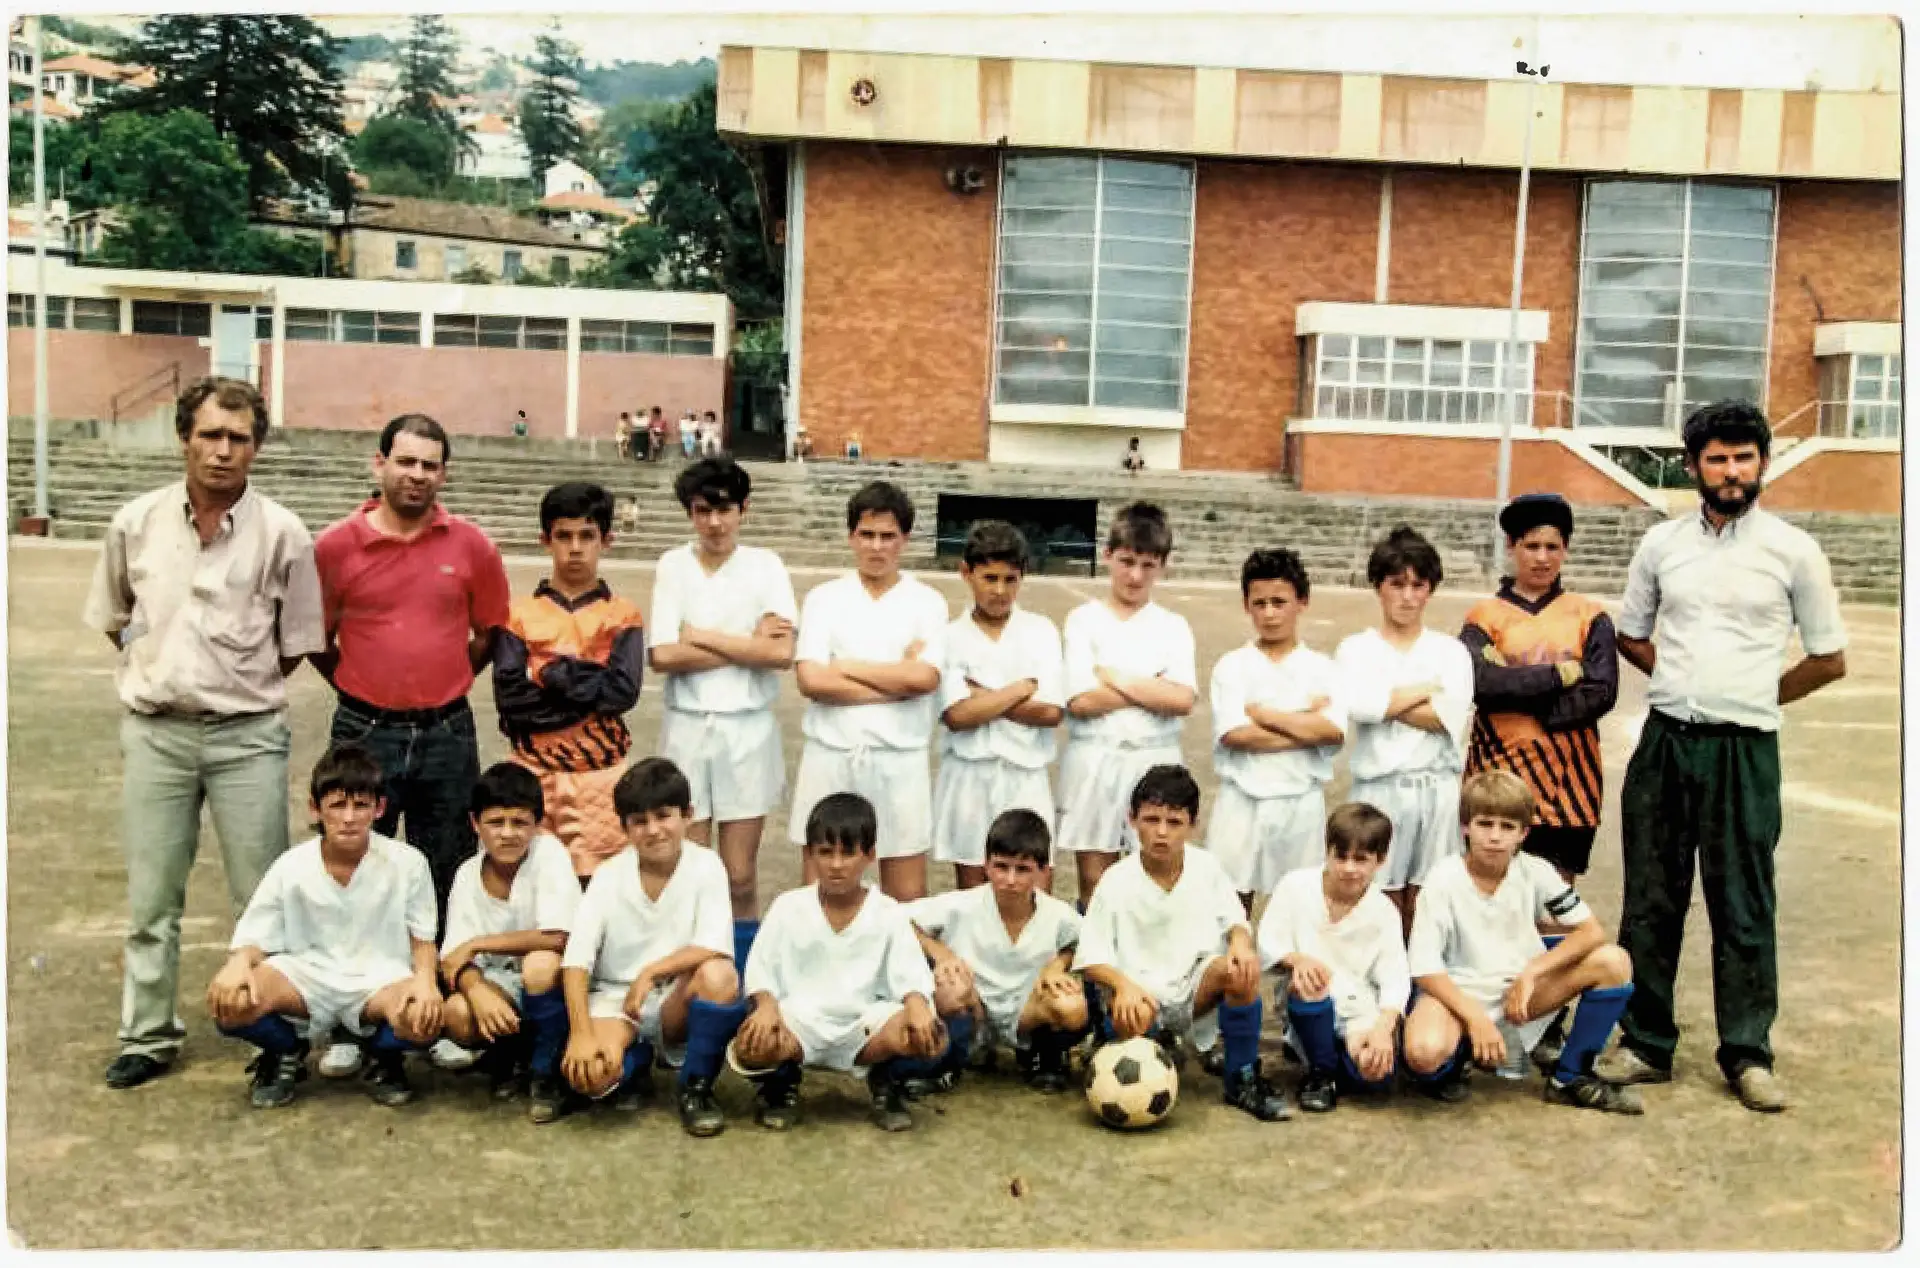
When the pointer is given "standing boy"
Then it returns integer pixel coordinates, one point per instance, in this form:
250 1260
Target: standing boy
1130 681
1488 983
1165 943
340 932
1340 941
723 618
507 921
838 980
868 661
1276 729
565 672
1000 693
649 965
1408 691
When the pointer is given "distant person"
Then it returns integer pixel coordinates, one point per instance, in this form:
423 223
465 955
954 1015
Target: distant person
689 435
802 444
623 434
520 424
656 434
853 447
1133 460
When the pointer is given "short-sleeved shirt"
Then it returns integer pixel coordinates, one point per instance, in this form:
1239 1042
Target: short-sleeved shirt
1158 936
364 928
732 599
403 611
1371 669
841 619
1720 608
968 921
1028 647
202 629
1153 642
618 930
542 897
1246 676
1362 949
836 977
1482 941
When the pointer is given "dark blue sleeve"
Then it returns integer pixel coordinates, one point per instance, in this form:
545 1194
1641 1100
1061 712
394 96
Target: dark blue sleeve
1593 697
612 688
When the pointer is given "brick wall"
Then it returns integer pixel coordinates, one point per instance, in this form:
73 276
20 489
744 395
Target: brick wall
87 368
1844 239
1839 480
1424 466
470 391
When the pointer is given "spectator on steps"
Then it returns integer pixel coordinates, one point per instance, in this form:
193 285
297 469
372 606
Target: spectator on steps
1133 460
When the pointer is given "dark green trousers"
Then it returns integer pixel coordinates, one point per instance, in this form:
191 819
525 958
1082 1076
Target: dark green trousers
1711 793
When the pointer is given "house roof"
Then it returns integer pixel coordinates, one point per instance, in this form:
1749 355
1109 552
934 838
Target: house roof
470 221
579 200
492 123
54 107
99 67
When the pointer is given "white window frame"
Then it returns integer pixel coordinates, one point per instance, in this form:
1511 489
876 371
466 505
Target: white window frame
1443 403
1837 412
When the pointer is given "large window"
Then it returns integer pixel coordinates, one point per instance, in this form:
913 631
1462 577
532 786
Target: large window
159 317
1676 287
466 331
1860 396
64 312
352 326
1379 379
679 339
1094 261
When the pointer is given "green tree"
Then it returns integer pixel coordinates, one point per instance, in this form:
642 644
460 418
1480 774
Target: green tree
269 85
704 231
103 39
546 116
427 59
396 142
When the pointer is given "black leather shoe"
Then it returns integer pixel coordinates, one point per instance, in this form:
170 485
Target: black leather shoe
1248 1090
1319 1092
700 1113
131 1069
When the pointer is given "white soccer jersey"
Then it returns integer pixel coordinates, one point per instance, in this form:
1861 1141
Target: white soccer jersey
1482 941
841 619
1157 936
1028 647
360 929
836 977
751 583
1370 669
969 922
1152 642
618 930
1245 676
1362 949
543 895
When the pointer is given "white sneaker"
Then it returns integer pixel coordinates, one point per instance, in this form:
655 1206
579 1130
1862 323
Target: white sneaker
448 1055
341 1061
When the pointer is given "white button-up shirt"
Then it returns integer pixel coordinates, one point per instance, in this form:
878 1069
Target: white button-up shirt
1720 608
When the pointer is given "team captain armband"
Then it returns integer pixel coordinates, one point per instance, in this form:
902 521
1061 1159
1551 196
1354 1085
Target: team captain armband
1564 902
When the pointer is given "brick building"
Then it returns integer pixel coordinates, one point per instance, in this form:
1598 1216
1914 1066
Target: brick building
1270 252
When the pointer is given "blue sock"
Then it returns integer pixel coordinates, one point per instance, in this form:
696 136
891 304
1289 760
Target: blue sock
1097 1020
710 1029
637 1060
744 932
1313 1026
271 1033
384 1040
1240 1029
546 1016
1593 1021
959 1040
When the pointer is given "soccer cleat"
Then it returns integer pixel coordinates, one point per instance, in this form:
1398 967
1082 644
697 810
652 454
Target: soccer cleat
448 1055
549 1099
1214 1061
1046 1068
1450 1090
131 1069
700 1114
889 1112
274 1076
1588 1092
385 1077
1759 1091
1546 1053
505 1065
633 1095
1624 1066
1319 1092
1171 1048
1247 1089
919 1089
341 1061
776 1102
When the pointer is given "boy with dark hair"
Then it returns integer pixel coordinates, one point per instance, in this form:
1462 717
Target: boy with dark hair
566 669
1002 958
723 630
1000 695
1276 729
1489 984
1339 940
1165 943
507 920
339 932
1129 681
1408 691
868 661
649 964
837 980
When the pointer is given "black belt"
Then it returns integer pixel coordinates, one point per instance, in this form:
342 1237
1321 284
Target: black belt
405 717
1730 730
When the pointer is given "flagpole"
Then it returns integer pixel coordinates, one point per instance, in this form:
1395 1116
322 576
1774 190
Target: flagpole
39 279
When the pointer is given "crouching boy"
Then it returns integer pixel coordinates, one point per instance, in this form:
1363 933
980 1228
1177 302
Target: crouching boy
339 932
1002 957
1339 939
649 966
837 980
508 914
1489 987
1165 943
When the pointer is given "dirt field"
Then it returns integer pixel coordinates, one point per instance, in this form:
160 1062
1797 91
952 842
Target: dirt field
183 1162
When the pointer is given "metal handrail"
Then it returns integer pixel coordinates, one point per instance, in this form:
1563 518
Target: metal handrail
143 389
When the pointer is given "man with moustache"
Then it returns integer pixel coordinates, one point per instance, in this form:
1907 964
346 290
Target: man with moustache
207 590
1711 602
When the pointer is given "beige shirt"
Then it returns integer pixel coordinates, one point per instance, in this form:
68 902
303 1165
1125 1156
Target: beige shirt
202 628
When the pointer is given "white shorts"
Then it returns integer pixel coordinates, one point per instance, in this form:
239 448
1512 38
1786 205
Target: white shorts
508 980
334 998
1260 839
1424 808
1529 1032
610 1002
969 796
1003 1017
1096 786
834 1043
732 761
893 779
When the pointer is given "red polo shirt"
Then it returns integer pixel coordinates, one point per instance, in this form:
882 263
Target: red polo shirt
402 611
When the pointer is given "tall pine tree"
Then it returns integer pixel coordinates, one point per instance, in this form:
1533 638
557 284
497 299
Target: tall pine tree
427 59
268 85
546 121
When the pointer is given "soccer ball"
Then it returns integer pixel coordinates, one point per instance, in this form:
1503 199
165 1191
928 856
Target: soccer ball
1130 1084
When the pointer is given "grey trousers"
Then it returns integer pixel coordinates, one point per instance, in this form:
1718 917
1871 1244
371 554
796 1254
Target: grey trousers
237 768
